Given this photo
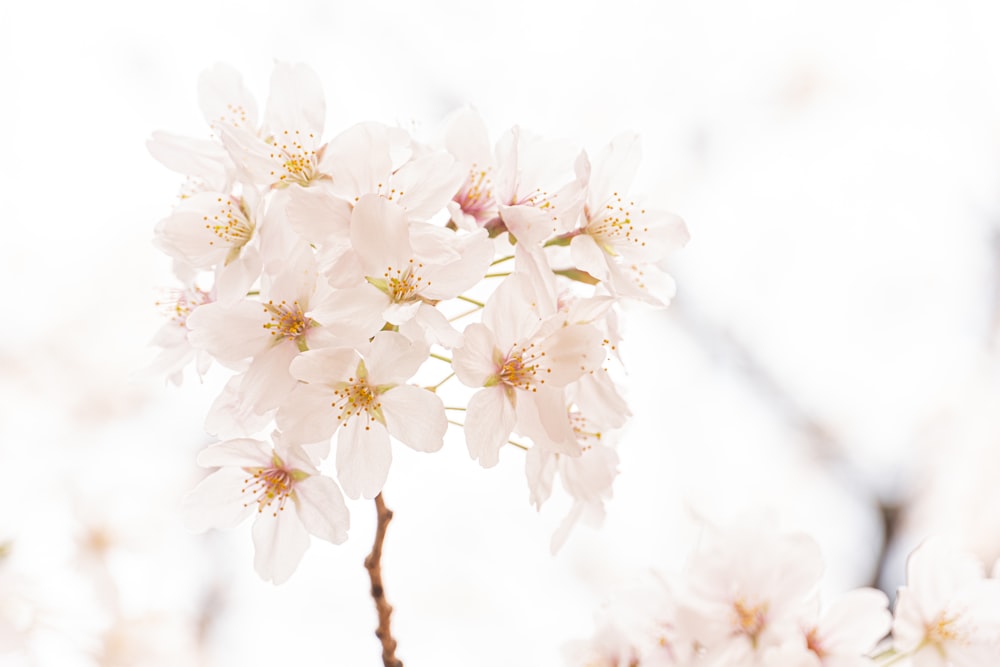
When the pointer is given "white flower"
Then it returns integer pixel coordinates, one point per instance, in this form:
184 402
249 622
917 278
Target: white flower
619 238
746 588
289 495
948 614
362 393
522 366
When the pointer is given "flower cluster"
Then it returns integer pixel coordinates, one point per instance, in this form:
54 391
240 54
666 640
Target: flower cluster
749 598
328 274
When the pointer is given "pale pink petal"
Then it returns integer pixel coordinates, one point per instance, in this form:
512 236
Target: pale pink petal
354 313
530 225
424 186
540 469
279 544
358 160
242 452
317 214
856 622
615 168
475 360
468 139
200 158
320 506
267 381
224 99
230 334
588 256
572 351
489 420
306 416
218 501
393 358
363 457
415 417
380 236
326 366
597 397
234 279
546 406
445 281
431 326
296 101
511 312
565 527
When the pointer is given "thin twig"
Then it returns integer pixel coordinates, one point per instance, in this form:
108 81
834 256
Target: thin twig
373 563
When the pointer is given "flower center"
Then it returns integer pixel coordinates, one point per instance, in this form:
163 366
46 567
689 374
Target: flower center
476 195
520 368
287 322
750 620
269 486
943 630
231 223
356 397
298 163
180 303
403 285
613 224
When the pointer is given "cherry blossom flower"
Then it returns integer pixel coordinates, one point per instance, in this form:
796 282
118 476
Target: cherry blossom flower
474 205
360 392
948 614
522 367
745 590
536 200
269 332
406 269
291 498
619 234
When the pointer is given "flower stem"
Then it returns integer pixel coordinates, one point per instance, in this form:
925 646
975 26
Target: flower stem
373 563
472 301
441 358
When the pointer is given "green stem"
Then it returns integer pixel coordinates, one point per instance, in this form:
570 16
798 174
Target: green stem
465 314
503 274
435 387
501 260
472 301
441 358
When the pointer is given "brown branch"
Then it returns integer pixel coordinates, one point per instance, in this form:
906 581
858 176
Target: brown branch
373 563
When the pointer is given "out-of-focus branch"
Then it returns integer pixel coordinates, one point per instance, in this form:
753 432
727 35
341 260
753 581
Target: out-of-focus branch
373 563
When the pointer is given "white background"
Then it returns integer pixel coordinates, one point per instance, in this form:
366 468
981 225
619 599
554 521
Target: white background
832 344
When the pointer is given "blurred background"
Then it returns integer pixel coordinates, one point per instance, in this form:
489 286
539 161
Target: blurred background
831 355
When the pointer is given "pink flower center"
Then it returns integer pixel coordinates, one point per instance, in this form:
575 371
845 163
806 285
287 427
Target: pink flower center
476 195
750 620
269 486
230 223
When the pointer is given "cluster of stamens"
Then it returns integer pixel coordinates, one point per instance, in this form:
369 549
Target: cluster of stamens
355 398
942 630
404 284
476 195
230 224
613 224
521 367
269 486
297 161
287 321
750 620
585 435
181 303
235 116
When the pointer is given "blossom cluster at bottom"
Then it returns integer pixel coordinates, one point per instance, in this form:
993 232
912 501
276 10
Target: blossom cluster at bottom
748 597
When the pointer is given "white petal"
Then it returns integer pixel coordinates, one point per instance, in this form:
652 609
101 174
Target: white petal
279 544
241 452
230 334
474 361
218 501
489 420
588 256
394 358
380 235
296 101
540 469
855 622
225 99
321 508
363 458
415 417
